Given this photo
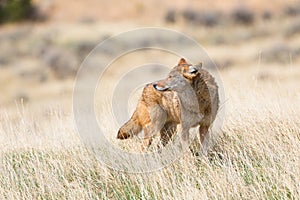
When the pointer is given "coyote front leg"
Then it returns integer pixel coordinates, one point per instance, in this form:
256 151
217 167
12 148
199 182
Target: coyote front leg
167 132
184 134
158 118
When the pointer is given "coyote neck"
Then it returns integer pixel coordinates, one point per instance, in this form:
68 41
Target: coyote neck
188 100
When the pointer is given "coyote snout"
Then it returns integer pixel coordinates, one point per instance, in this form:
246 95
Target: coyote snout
177 81
161 88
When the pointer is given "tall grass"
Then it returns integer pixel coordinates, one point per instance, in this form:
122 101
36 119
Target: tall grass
255 156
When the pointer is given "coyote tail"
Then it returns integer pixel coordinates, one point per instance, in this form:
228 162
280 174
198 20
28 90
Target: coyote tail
130 128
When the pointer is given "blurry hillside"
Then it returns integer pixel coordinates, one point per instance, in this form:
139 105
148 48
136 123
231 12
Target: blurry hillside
39 56
152 11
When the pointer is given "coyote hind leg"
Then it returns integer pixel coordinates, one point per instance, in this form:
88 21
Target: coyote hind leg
203 132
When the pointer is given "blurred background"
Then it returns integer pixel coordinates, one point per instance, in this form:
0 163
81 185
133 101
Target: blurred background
43 42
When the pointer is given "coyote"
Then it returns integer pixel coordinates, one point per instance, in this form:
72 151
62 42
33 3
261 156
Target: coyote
159 108
189 113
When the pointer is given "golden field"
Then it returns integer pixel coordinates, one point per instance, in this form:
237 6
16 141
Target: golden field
254 156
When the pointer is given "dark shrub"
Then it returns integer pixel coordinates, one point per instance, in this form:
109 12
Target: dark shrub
243 15
170 16
61 62
15 10
190 15
292 10
278 53
83 48
267 15
201 18
210 18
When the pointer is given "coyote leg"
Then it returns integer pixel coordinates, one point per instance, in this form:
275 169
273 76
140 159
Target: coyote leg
184 136
146 143
203 131
167 132
158 118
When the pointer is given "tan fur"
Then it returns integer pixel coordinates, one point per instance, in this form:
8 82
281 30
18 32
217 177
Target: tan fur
162 112
190 115
153 113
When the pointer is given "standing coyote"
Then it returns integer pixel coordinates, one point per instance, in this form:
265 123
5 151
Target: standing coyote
189 113
159 111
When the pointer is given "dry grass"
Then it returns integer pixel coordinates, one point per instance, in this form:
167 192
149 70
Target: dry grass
256 156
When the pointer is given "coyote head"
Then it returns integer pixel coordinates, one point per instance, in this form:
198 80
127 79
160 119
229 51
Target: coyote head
179 78
187 70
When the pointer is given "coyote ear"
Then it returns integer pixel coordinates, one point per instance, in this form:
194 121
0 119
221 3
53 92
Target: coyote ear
199 65
191 72
182 61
